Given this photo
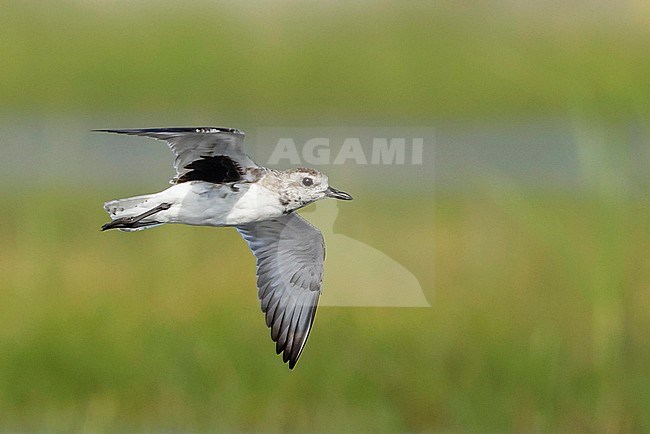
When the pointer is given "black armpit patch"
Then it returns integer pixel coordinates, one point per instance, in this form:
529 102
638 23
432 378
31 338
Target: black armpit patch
218 169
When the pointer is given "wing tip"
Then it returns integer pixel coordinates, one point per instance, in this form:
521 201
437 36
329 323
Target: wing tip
118 131
290 352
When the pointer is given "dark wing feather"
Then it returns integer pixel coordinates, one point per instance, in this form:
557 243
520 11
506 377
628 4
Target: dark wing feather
290 254
194 146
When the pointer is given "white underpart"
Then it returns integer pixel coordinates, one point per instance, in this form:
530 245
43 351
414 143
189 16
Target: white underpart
203 204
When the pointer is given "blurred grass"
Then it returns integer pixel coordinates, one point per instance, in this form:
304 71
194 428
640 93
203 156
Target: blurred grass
160 330
305 61
540 308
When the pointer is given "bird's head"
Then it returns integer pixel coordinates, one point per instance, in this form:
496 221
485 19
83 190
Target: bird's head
309 185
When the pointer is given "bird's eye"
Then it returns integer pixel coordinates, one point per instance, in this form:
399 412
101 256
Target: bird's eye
307 182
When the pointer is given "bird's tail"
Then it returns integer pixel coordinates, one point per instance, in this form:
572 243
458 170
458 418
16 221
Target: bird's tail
133 213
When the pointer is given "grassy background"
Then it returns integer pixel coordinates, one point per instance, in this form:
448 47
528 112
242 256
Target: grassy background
300 61
540 295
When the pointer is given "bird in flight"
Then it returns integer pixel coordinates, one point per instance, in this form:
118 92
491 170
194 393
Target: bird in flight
217 184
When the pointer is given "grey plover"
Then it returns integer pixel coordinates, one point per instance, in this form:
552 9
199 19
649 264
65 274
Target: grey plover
217 184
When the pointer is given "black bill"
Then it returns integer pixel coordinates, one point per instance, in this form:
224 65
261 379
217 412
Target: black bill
337 194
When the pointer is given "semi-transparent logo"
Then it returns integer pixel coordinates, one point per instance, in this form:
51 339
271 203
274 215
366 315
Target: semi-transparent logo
396 159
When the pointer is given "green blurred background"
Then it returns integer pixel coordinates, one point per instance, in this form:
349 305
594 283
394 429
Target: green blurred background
539 317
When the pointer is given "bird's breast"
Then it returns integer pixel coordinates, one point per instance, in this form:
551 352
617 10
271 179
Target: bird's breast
257 203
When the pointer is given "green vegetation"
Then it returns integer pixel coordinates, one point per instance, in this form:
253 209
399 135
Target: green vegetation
160 330
305 62
539 317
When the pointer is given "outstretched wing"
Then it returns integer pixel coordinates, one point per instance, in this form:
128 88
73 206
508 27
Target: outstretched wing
290 254
211 154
